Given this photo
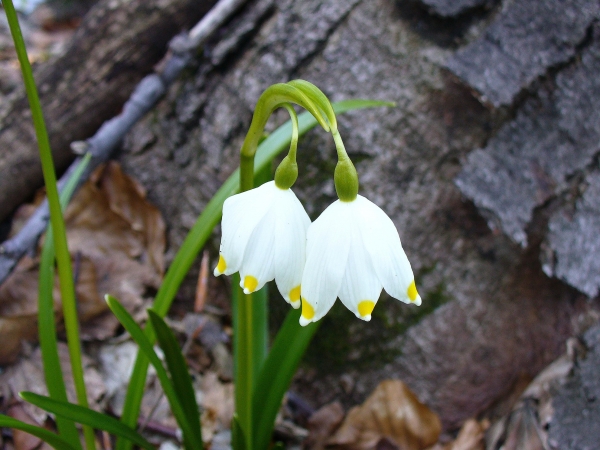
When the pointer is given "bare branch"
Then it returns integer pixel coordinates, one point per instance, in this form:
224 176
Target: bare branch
106 140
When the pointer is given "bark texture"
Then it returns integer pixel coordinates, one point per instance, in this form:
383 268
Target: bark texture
118 43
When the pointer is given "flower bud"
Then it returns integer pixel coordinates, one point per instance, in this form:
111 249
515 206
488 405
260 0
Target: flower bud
287 173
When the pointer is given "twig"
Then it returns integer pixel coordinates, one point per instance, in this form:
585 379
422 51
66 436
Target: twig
202 286
106 140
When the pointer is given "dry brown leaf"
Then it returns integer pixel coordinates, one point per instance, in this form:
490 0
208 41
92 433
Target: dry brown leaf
217 404
471 436
22 440
111 215
28 375
322 424
18 310
392 412
117 242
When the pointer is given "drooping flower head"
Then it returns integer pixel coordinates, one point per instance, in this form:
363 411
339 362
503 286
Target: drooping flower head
353 251
264 231
264 238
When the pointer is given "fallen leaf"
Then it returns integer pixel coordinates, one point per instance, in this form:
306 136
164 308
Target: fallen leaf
217 405
471 436
391 412
28 375
322 424
21 439
117 243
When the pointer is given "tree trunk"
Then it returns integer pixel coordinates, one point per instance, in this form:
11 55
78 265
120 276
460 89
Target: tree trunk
117 44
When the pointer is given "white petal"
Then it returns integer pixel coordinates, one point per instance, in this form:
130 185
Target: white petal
327 247
257 266
361 287
241 213
382 241
290 249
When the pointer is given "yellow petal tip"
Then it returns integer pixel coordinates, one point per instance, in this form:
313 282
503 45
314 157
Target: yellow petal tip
365 308
250 284
308 312
411 292
295 295
221 266
304 322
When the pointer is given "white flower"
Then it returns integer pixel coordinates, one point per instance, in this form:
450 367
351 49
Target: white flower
264 238
353 251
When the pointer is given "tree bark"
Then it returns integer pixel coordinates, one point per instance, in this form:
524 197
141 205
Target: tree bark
117 44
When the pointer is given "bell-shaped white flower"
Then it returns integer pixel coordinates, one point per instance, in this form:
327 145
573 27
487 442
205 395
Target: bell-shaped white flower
264 238
353 251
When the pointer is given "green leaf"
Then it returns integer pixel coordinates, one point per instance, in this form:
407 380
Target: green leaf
180 376
86 416
191 440
276 374
47 436
63 258
46 317
238 440
275 143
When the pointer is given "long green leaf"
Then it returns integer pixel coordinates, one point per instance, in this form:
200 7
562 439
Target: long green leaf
276 374
238 440
47 320
47 436
191 440
86 416
63 258
201 231
180 376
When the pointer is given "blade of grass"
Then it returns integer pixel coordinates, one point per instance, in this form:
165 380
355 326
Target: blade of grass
178 369
83 415
191 437
238 440
201 231
46 318
47 436
276 374
63 258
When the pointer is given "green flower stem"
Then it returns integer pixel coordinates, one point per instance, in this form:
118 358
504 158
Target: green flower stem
56 219
287 172
294 141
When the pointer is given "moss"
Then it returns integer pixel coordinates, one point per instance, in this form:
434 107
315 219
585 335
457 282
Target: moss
343 342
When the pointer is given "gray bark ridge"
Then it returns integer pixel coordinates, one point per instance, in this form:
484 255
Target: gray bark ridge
576 419
520 45
534 158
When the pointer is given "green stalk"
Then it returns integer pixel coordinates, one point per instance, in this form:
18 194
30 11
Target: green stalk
60 240
46 318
